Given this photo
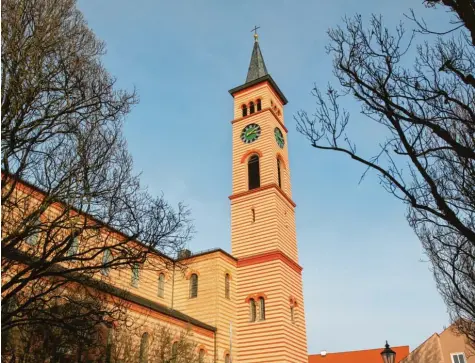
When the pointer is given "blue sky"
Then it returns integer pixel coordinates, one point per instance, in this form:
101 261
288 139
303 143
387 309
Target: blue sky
364 276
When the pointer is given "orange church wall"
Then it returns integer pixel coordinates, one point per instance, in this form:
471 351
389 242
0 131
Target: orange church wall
268 232
211 306
28 198
147 286
278 282
141 320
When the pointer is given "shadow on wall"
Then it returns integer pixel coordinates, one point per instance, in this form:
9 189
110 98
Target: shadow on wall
429 351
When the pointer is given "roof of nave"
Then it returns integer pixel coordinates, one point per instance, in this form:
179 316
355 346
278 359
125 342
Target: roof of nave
358 356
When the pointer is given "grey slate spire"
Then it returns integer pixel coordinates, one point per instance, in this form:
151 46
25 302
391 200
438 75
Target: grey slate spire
257 72
257 67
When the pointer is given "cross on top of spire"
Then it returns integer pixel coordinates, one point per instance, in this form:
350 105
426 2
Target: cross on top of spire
255 32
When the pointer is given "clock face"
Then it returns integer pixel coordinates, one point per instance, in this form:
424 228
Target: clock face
250 133
279 137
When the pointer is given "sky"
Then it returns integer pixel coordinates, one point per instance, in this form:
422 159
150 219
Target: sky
366 279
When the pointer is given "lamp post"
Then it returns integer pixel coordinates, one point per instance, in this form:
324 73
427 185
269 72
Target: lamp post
389 355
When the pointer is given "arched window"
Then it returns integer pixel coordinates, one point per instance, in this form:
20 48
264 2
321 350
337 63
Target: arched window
226 285
227 359
161 285
253 214
279 178
244 110
201 356
135 277
106 258
74 247
262 309
251 107
174 351
253 172
194 286
292 316
252 310
144 348
258 105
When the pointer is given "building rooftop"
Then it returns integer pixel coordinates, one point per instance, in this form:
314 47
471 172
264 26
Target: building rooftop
358 356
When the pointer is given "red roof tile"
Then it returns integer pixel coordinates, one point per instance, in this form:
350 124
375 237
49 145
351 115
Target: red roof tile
358 356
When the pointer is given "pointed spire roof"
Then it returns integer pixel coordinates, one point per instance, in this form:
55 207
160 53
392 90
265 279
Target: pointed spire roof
257 73
257 67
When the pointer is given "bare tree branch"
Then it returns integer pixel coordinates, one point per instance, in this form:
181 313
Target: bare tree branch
427 159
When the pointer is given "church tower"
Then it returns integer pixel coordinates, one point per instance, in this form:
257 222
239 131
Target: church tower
270 312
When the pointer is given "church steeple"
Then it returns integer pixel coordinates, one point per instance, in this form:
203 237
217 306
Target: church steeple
269 297
257 67
257 73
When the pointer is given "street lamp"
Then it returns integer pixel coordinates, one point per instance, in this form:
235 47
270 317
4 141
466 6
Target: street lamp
389 355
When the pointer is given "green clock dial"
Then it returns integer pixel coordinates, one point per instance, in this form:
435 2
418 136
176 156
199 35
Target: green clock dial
279 137
250 133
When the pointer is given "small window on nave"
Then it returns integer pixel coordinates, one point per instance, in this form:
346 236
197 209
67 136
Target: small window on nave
135 277
74 246
201 356
227 283
174 351
161 285
252 310
193 286
106 258
143 358
35 235
262 309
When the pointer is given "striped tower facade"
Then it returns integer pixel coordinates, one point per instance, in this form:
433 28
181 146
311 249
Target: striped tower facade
270 324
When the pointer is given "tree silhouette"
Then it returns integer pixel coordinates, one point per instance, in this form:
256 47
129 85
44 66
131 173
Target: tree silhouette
427 159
